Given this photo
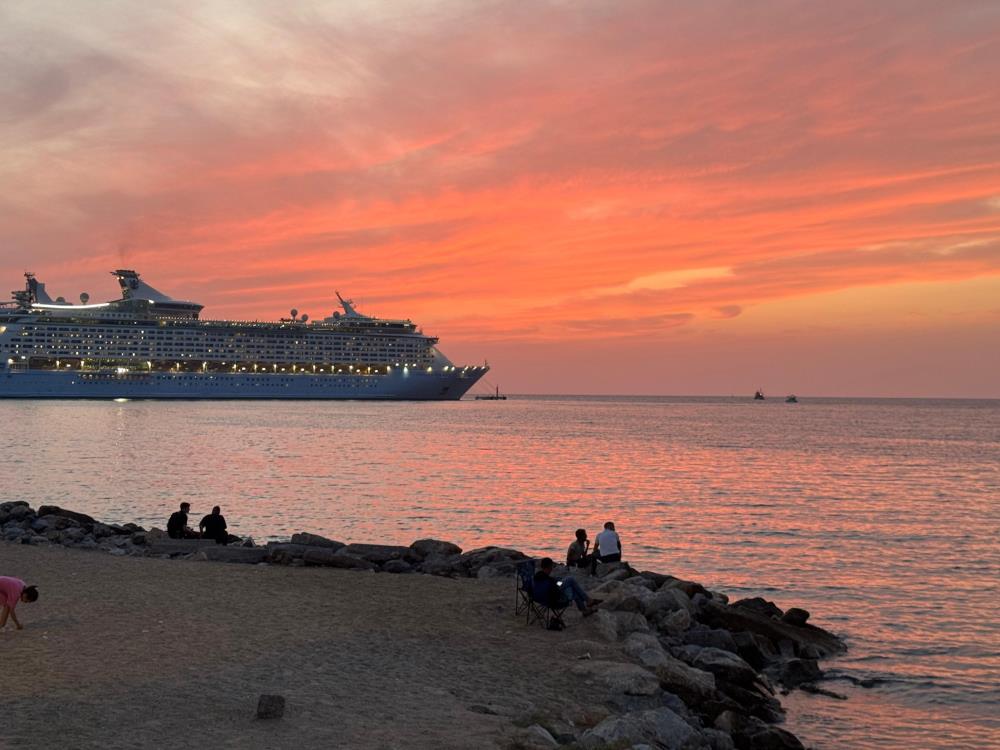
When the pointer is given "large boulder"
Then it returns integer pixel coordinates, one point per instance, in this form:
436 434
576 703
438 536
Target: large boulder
735 619
660 727
666 600
315 540
54 510
443 565
376 553
794 672
674 623
726 665
646 649
336 559
424 548
760 605
475 559
714 637
629 679
795 616
691 684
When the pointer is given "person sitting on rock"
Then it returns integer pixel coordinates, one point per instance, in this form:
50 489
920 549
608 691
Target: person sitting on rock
12 591
177 526
559 592
577 556
608 547
213 526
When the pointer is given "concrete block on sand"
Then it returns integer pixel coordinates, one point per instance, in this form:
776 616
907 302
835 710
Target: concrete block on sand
271 707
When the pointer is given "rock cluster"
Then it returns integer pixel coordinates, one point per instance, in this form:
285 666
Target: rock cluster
691 670
678 665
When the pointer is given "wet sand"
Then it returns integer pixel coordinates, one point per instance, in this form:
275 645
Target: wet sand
128 652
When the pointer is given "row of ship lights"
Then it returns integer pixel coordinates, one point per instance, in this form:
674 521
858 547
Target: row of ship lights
295 368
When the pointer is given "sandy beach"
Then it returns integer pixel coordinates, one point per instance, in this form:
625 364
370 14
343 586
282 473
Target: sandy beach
129 652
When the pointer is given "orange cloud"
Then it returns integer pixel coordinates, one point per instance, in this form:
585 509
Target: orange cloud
559 174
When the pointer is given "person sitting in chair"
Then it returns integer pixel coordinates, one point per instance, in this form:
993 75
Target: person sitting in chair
577 556
609 544
559 592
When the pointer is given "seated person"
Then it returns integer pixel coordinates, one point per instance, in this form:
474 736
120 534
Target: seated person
213 526
559 592
577 556
177 527
609 545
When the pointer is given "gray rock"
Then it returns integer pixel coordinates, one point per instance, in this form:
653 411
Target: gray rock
691 684
795 616
664 601
101 530
271 707
794 672
54 510
497 570
443 565
755 650
760 606
630 679
674 623
315 540
660 727
636 643
716 638
226 553
424 548
769 738
138 538
397 566
39 525
736 619
718 740
376 553
337 559
536 737
475 559
725 664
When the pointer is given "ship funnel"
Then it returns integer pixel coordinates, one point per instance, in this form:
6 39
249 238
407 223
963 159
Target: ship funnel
295 313
84 298
304 318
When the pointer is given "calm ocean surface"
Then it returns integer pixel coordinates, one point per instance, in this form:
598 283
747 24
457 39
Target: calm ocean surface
879 516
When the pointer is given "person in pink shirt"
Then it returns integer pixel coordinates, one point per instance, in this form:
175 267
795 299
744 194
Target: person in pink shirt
12 591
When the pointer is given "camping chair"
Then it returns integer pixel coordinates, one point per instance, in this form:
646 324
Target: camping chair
526 603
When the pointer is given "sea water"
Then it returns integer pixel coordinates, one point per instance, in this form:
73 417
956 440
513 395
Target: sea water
880 517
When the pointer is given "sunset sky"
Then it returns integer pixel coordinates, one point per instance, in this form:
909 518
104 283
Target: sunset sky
597 197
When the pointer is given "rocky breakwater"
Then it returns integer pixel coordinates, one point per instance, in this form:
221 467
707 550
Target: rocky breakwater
670 663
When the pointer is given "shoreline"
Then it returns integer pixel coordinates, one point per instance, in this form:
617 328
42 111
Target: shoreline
662 661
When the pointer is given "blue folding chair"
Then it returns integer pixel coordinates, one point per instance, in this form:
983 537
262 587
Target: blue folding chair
534 603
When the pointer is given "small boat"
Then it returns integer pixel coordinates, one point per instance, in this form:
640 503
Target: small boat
759 395
497 396
791 400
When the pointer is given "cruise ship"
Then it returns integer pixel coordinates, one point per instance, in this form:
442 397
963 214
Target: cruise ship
149 345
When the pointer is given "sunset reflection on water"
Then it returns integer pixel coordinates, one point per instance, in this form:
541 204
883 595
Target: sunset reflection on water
880 517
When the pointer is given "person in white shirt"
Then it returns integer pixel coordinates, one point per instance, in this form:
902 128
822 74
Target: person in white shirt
608 546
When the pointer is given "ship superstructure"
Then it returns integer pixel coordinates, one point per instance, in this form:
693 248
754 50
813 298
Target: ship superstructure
149 345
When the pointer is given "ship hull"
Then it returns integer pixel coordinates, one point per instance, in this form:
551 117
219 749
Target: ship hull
398 385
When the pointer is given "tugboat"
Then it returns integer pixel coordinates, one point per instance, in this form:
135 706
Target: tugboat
497 396
759 395
791 399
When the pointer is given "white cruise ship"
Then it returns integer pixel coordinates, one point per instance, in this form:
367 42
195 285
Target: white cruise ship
148 345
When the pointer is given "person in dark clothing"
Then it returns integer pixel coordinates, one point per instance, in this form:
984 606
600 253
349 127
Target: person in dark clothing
577 555
213 526
558 592
177 526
